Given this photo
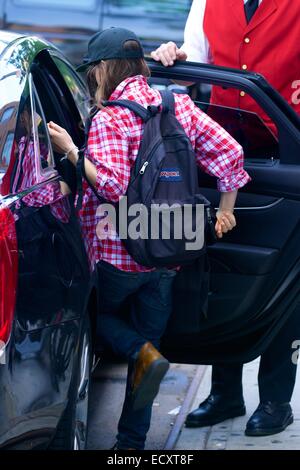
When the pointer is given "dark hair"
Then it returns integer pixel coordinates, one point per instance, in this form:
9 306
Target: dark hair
112 72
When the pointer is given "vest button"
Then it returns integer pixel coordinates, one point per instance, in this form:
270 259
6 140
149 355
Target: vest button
247 40
244 67
242 93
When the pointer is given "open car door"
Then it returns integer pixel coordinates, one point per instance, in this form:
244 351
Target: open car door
255 269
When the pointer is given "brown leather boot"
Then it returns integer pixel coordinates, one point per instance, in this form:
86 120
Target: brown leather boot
150 368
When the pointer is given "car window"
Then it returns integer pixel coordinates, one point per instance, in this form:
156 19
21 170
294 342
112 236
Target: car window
258 140
31 159
63 97
6 153
70 4
7 114
76 87
23 166
45 161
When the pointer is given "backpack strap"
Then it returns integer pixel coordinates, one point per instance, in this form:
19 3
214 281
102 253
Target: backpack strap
144 113
80 170
168 102
87 125
79 174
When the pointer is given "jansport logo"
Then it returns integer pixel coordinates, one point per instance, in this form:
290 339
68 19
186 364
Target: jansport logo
170 174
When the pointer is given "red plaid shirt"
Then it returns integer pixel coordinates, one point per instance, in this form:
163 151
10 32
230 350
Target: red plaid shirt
113 145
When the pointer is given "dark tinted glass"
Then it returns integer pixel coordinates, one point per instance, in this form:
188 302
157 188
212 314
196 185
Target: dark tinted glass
75 86
43 140
257 140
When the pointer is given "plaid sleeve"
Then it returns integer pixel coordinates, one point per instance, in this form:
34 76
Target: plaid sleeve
218 154
108 149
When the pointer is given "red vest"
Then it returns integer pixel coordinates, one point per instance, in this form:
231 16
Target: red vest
269 45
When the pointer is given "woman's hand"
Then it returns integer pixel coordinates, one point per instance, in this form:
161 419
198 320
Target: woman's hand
61 140
225 222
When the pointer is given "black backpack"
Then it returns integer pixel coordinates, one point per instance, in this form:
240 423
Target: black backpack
170 213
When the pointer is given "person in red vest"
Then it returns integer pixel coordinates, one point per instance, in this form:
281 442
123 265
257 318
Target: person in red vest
261 36
255 35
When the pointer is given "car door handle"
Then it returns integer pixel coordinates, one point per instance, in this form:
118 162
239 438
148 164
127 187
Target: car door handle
259 208
254 162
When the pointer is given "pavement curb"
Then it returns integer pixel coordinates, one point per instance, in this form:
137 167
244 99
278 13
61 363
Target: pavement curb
185 408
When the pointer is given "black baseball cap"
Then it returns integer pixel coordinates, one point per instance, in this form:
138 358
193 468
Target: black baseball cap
109 44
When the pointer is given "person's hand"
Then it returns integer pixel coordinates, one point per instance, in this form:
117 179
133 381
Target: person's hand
168 53
61 141
225 222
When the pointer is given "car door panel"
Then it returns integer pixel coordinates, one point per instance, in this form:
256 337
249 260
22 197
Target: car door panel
53 272
244 201
44 360
253 259
243 259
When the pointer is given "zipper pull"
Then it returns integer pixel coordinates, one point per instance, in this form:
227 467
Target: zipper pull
142 170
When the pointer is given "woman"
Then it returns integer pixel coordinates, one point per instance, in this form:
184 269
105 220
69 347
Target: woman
117 70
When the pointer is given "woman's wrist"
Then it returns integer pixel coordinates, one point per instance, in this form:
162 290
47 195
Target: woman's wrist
227 201
72 154
226 209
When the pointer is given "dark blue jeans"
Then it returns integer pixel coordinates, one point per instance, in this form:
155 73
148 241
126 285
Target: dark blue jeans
150 297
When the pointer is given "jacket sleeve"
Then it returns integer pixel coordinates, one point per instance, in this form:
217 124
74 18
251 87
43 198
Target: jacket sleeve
108 149
217 153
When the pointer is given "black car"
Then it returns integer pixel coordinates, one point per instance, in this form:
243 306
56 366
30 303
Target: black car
48 296
48 287
70 23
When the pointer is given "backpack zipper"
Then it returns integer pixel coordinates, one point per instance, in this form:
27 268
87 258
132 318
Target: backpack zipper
146 163
142 170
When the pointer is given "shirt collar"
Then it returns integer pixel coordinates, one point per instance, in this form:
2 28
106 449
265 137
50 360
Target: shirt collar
130 84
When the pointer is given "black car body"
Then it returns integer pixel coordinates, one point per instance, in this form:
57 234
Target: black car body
48 289
48 292
70 23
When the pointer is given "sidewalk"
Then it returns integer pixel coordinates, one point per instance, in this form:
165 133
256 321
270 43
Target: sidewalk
106 402
230 435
